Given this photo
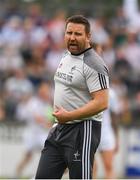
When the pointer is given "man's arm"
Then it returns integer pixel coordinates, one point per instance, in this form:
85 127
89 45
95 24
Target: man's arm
98 103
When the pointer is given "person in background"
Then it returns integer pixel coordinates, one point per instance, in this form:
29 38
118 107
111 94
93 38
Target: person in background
36 111
109 143
80 96
15 88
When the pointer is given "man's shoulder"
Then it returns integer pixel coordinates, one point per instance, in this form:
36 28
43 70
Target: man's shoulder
65 53
95 61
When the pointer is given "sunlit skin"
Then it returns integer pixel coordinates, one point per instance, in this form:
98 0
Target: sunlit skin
76 39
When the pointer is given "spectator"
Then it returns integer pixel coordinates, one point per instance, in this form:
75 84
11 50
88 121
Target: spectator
16 87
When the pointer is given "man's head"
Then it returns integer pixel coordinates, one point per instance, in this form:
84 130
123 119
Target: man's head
77 34
44 90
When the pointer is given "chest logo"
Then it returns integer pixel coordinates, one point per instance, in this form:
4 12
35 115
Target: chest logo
72 69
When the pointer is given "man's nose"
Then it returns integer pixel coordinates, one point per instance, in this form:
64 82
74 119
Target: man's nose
72 37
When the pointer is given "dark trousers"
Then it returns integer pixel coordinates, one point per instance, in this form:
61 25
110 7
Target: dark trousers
70 146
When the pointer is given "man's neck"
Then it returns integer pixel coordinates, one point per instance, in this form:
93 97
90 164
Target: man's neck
82 51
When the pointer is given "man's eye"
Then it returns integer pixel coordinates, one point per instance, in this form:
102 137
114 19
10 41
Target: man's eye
69 32
78 34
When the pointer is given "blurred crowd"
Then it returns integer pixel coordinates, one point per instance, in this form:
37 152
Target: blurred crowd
31 46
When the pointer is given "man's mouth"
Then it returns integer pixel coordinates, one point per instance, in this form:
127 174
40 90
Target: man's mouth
73 45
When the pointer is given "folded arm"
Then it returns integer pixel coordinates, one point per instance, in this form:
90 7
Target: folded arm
98 103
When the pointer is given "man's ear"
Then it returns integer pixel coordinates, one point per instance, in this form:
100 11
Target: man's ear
89 37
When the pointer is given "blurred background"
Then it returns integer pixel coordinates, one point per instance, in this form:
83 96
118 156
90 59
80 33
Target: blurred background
31 45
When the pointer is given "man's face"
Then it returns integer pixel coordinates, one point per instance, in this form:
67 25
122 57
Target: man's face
76 39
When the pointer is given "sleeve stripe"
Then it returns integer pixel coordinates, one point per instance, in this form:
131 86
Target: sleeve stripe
102 81
101 84
106 69
105 84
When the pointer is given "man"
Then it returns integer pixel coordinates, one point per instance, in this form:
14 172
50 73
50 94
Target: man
109 144
81 94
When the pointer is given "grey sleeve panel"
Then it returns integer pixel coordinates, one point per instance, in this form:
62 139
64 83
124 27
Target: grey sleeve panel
94 61
95 71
